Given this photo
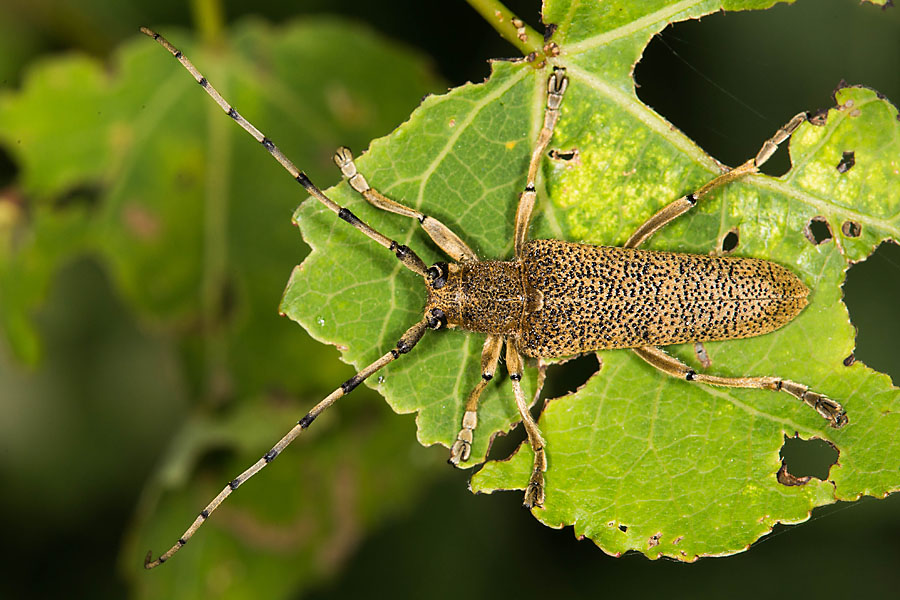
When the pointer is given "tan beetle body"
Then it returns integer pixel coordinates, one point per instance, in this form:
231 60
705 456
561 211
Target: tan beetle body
563 298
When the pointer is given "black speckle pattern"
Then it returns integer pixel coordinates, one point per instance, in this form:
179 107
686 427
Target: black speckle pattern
597 297
493 296
563 298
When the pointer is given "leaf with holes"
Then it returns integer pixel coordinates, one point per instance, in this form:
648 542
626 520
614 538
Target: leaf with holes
637 461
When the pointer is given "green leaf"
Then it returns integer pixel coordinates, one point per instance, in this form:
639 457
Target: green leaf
685 470
691 471
363 300
146 174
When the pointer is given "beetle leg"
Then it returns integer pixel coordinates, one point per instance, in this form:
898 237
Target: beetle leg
442 235
826 407
534 493
556 87
675 209
462 447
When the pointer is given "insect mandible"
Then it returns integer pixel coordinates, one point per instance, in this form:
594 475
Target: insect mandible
557 298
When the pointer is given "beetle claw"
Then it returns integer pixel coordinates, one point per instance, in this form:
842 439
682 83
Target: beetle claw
534 494
460 451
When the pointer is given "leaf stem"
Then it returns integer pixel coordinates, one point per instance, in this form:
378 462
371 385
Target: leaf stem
509 26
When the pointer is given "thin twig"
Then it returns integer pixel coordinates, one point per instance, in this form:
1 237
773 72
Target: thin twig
509 26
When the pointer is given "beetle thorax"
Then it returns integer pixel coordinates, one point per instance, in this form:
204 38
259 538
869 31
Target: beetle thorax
482 296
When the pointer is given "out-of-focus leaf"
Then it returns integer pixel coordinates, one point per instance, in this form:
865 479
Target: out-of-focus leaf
135 165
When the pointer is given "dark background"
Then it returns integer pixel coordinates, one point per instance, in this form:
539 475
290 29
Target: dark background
728 81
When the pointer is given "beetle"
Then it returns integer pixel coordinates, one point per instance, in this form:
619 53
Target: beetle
558 298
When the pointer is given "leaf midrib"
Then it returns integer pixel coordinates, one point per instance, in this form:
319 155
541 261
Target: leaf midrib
636 26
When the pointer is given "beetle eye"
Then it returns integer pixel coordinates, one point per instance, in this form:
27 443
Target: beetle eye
437 320
437 275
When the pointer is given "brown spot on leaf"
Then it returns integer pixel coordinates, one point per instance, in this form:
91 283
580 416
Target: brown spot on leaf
654 539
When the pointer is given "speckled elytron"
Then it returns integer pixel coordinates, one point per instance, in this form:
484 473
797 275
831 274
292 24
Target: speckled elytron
562 299
557 298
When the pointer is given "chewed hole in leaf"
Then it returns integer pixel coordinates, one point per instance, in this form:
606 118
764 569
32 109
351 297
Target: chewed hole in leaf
730 241
848 159
566 377
819 118
564 155
851 229
870 292
677 65
817 231
563 377
787 478
803 459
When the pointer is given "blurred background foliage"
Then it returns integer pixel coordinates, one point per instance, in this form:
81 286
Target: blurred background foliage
112 391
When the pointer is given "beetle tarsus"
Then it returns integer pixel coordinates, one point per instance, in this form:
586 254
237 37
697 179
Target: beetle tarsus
534 493
460 450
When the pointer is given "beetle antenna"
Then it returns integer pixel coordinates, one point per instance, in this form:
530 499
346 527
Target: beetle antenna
406 343
404 254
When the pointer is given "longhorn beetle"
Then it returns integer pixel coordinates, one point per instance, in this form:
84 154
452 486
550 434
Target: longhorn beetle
613 297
